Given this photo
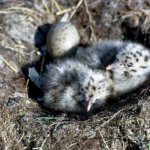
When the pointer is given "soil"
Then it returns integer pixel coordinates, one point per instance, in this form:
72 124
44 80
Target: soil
124 124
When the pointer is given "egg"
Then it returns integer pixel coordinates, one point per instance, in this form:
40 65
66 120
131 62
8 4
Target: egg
62 39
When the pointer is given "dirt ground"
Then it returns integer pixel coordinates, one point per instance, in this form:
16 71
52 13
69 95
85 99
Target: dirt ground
122 125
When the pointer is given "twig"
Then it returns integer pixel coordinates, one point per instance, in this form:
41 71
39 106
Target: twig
27 83
76 8
103 140
41 147
146 23
9 65
22 9
57 5
131 13
20 46
72 145
102 125
6 12
95 3
15 49
90 20
129 3
42 64
20 139
65 11
145 11
45 140
45 5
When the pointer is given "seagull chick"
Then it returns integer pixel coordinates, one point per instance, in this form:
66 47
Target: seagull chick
71 86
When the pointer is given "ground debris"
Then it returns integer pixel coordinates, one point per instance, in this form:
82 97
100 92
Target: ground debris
125 124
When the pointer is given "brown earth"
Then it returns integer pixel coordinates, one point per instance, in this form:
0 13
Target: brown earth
123 125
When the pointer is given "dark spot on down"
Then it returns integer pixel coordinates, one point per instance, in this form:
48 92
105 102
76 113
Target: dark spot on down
137 59
139 53
86 87
100 81
127 57
125 61
130 65
94 88
133 70
131 53
111 89
78 93
92 79
146 58
144 67
126 73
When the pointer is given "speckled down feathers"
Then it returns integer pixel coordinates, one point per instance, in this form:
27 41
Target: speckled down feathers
131 67
100 55
70 85
129 62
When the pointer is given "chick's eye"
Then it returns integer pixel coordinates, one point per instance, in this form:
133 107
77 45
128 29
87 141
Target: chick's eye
79 93
91 95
